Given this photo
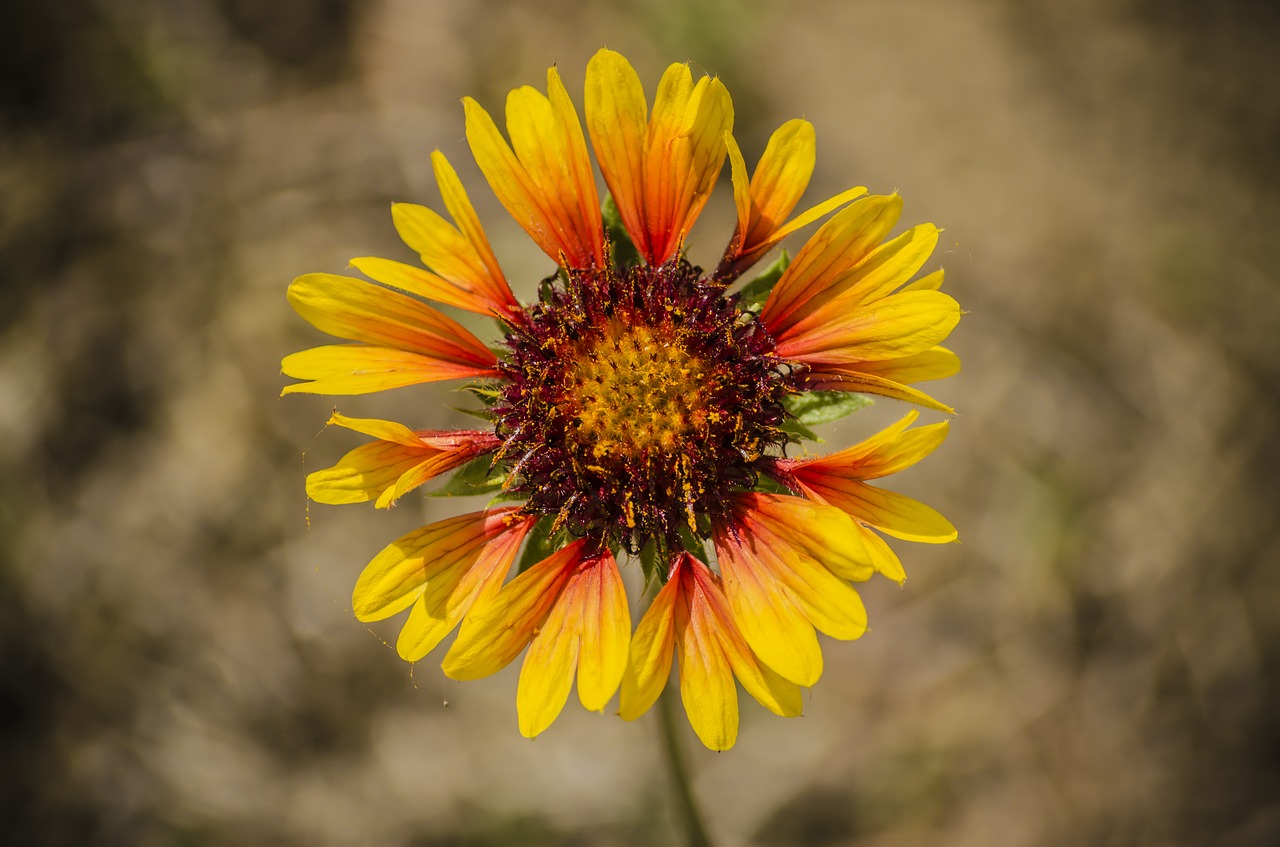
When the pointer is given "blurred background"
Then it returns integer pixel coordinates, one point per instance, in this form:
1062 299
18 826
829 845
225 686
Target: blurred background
1097 662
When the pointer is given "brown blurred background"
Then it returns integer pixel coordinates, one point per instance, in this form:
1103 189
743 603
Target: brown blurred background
1096 663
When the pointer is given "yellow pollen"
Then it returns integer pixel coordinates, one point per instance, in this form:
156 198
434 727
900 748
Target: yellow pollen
637 390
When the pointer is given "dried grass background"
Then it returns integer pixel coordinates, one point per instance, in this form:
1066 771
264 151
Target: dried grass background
1096 663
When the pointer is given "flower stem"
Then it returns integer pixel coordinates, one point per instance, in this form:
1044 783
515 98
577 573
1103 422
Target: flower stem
690 817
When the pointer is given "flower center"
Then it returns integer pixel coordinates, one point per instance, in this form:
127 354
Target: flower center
637 391
636 401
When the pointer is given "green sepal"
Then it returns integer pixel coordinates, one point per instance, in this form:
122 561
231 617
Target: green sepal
649 558
479 476
810 408
622 249
540 543
488 394
482 414
768 485
755 292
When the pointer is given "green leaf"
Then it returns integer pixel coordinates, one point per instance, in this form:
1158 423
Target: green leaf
625 254
539 544
811 408
755 292
479 476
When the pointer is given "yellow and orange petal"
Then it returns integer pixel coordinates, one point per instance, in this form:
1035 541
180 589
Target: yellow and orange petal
786 563
398 462
660 168
571 611
772 192
840 480
544 176
440 570
403 341
464 271
690 618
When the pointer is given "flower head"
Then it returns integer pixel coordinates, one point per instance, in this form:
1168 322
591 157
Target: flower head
640 407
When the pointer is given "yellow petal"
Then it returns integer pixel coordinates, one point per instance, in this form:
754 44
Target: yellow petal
450 595
547 674
398 462
649 663
838 245
741 192
891 327
499 626
934 363
890 512
578 178
468 223
765 615
701 157
783 525
780 178
510 181
828 602
398 575
852 378
885 269
616 114
605 625
810 215
772 691
422 283
888 451
706 680
363 474
360 369
929 282
361 311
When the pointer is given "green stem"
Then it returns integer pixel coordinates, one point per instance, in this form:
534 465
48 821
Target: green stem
695 829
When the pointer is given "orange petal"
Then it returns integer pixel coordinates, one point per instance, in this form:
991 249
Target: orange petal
889 328
891 513
779 181
701 152
934 363
361 311
547 674
544 177
450 594
468 223
605 624
499 626
399 574
398 462
360 369
767 687
853 378
649 663
880 273
706 679
617 115
839 245
770 622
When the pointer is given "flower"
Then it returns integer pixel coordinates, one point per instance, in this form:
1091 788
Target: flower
639 408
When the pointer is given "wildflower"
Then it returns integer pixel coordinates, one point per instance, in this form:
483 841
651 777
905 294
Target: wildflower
638 408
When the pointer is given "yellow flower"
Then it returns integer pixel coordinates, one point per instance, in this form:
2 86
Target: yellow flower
638 406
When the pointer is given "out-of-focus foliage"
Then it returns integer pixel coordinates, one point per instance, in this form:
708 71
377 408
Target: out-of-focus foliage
1098 662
